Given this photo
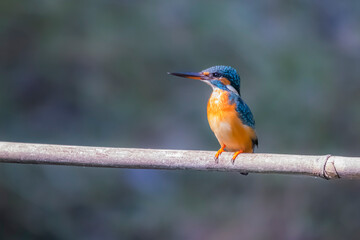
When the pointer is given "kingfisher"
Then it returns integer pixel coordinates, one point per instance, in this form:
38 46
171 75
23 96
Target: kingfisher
229 116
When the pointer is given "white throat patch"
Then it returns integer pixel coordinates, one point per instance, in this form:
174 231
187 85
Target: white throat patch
208 83
229 87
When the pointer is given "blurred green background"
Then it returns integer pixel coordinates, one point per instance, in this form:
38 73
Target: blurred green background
94 73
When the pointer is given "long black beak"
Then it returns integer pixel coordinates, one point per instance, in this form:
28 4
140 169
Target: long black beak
192 75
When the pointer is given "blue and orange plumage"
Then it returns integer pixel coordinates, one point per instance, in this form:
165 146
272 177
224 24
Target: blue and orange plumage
229 117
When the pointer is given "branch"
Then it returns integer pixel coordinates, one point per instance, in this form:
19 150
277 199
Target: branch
328 167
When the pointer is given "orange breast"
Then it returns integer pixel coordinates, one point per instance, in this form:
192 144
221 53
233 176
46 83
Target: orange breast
226 124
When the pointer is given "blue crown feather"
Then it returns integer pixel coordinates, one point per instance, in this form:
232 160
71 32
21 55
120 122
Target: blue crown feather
227 72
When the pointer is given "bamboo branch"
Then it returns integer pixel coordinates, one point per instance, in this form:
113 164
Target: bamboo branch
328 167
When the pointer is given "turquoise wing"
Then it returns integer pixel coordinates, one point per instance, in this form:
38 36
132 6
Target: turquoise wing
244 112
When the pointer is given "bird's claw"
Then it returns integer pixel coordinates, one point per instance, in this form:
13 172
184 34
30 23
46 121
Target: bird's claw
235 155
220 151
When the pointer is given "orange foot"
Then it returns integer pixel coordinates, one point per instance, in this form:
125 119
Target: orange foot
235 155
220 151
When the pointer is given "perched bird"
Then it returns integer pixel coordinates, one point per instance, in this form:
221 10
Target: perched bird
229 117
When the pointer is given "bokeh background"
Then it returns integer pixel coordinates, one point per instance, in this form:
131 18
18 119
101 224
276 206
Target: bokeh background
94 73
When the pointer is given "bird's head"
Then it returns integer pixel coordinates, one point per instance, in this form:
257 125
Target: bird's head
217 77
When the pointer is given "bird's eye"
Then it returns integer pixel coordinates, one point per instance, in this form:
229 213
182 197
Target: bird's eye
215 74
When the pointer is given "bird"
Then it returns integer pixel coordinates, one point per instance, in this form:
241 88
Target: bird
229 117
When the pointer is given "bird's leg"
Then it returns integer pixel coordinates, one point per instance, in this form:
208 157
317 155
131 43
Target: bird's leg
220 151
235 155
